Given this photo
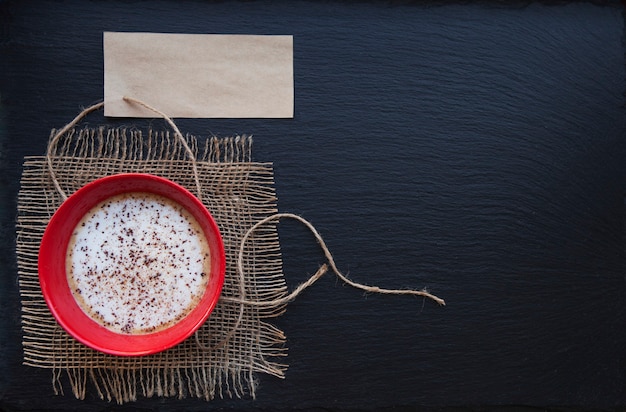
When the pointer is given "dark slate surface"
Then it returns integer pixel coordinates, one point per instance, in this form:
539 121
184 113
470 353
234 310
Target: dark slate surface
475 149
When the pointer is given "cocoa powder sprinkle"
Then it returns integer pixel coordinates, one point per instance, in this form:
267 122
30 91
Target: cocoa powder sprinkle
143 269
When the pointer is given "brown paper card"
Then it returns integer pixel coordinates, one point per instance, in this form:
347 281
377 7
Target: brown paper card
199 75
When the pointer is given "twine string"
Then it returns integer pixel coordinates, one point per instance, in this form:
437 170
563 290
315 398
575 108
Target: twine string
177 132
321 271
55 139
243 301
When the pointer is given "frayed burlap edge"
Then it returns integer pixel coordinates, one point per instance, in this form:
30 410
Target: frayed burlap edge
235 343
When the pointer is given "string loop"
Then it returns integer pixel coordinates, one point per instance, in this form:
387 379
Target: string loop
243 301
55 139
322 270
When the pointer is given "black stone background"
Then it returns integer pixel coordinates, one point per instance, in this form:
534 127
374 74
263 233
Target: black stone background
476 149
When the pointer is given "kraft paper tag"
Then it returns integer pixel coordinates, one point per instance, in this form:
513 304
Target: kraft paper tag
199 75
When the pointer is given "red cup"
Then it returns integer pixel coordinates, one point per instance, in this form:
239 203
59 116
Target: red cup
53 277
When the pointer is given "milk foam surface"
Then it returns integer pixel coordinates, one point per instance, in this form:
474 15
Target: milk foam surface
138 263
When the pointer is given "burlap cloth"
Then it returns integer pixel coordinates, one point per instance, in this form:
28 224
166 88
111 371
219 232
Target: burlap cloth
236 342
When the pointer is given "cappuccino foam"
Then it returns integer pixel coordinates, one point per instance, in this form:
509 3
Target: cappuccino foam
138 263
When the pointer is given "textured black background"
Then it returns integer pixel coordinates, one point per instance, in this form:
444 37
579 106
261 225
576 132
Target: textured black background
476 149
